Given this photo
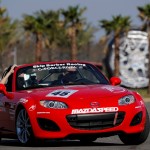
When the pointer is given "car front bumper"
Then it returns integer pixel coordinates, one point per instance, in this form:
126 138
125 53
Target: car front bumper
61 124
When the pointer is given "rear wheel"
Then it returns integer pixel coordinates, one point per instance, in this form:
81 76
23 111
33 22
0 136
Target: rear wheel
138 138
23 127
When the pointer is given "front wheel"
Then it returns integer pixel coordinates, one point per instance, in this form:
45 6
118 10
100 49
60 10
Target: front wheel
137 138
23 127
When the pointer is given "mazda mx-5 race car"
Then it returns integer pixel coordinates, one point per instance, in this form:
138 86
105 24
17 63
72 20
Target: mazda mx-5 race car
69 100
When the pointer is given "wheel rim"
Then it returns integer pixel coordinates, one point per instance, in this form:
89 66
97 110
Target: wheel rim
23 126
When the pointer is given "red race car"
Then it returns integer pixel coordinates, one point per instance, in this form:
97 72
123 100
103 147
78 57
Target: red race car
69 100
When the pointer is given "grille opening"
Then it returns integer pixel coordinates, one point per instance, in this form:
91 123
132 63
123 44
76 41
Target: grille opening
136 119
47 124
95 121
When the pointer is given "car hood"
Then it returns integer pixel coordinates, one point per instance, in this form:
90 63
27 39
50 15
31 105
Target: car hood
77 91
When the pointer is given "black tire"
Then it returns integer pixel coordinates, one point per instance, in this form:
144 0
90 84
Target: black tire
23 128
138 138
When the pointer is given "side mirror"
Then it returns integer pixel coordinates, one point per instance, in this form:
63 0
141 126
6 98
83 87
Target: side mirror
115 80
7 94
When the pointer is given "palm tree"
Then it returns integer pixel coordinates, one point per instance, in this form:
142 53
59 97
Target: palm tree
35 25
144 14
54 31
117 25
6 29
84 41
73 22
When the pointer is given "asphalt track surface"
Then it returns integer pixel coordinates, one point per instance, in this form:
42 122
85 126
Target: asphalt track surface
109 143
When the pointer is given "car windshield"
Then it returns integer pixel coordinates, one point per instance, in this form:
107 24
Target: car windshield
57 74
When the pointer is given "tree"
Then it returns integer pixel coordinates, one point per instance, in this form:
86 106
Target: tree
6 29
73 22
85 40
144 14
54 31
35 25
117 25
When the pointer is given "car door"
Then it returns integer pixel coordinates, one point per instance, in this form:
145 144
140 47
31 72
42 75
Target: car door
7 114
1 111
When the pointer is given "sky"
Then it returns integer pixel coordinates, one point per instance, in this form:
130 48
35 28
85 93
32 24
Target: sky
96 9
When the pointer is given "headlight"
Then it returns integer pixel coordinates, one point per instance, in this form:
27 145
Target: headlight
53 104
126 100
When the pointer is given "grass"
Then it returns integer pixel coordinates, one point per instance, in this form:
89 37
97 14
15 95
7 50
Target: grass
142 92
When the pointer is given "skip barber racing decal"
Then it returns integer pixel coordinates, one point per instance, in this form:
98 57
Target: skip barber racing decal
61 93
94 110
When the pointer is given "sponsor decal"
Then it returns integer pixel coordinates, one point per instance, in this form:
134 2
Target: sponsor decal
43 112
94 110
57 66
61 93
70 86
142 103
113 89
29 91
33 107
23 100
138 107
94 104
